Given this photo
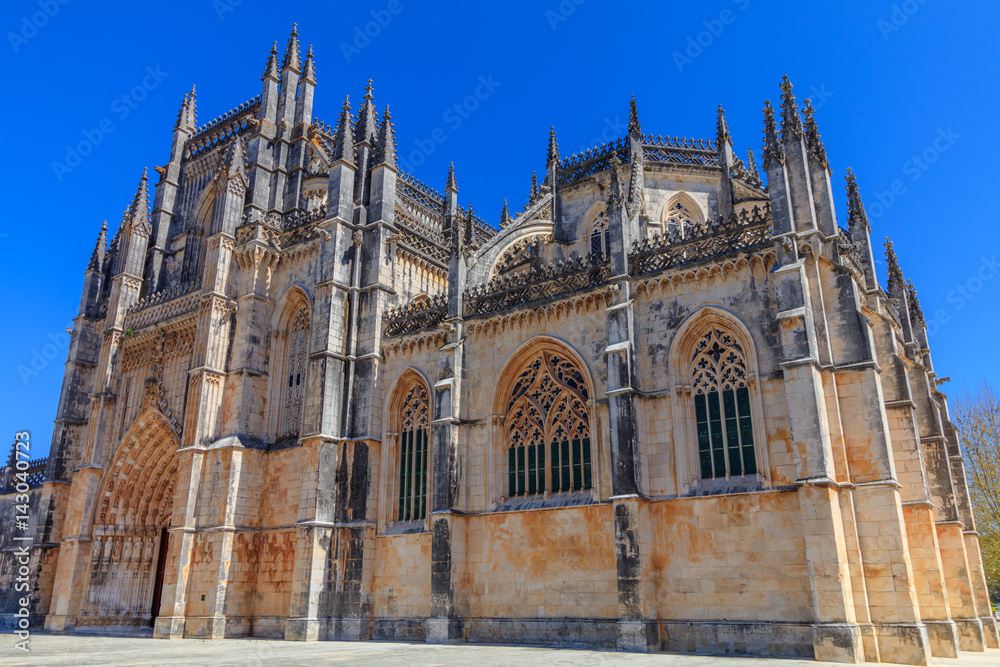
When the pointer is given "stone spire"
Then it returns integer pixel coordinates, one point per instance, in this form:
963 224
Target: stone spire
635 185
271 68
309 70
534 188
234 162
791 121
469 231
451 185
553 155
504 215
139 209
892 266
187 117
633 119
343 141
813 141
365 130
772 148
911 297
385 149
291 59
100 248
721 129
857 219
751 168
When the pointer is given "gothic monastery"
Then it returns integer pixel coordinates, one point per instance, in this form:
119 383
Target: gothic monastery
666 406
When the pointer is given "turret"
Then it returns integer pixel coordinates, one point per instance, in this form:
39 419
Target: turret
307 86
724 145
777 181
383 175
289 78
562 230
365 136
93 280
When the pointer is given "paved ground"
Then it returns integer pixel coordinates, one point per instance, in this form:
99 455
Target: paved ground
84 650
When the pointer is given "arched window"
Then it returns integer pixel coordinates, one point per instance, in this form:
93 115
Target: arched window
722 406
595 225
295 372
679 214
547 428
413 454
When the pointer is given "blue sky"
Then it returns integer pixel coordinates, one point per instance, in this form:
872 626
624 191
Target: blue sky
905 92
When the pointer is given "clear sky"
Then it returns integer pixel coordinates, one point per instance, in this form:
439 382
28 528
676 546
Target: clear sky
906 94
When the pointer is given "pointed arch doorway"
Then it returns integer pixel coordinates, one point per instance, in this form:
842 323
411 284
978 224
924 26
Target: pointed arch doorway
129 556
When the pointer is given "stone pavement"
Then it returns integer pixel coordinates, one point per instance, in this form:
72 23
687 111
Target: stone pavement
101 650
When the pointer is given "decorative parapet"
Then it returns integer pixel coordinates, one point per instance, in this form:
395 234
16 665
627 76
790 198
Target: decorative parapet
416 316
33 475
655 148
222 129
163 305
697 243
535 286
419 193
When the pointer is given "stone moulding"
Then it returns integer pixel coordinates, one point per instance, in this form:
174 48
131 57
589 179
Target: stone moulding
165 304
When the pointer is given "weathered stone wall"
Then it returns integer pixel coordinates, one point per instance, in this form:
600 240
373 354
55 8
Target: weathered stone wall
10 594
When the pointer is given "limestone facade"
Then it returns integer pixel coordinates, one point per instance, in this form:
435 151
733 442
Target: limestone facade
664 407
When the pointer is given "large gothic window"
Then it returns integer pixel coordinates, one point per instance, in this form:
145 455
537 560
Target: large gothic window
722 407
413 458
295 372
679 214
547 429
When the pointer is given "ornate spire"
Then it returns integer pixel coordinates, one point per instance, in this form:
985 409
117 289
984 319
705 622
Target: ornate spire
234 162
385 148
633 119
271 68
138 211
534 188
470 216
343 141
635 184
772 149
892 264
615 197
791 122
855 207
365 129
504 215
100 248
751 168
291 59
187 116
553 157
813 141
451 185
911 297
721 129
309 70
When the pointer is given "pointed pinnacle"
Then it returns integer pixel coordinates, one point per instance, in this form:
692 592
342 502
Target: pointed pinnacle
791 122
343 141
633 119
892 263
813 140
309 71
368 92
615 196
271 68
100 249
553 156
752 166
236 159
855 207
386 145
451 185
291 59
911 296
504 214
721 129
365 129
534 188
772 149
